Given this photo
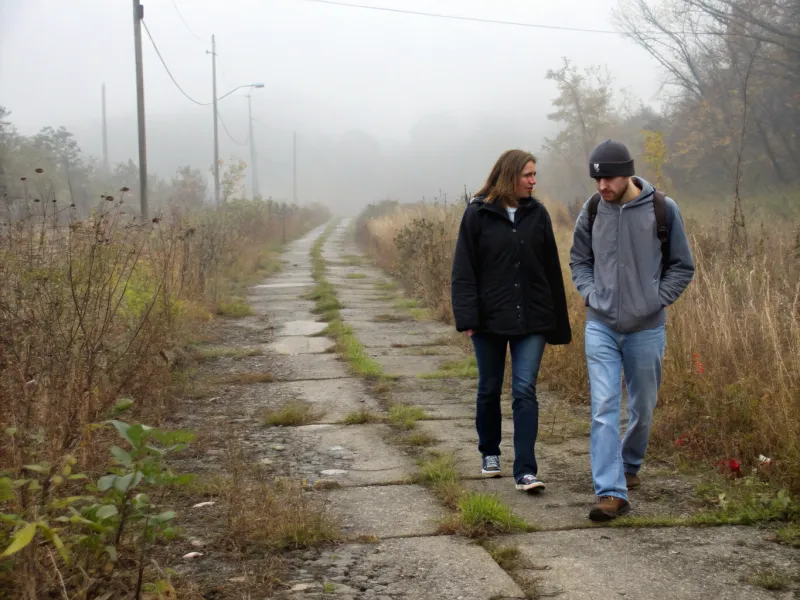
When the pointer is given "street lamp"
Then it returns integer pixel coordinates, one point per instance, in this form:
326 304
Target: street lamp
216 136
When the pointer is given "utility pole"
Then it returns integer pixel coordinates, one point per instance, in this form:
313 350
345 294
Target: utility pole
253 168
294 167
138 15
216 131
105 133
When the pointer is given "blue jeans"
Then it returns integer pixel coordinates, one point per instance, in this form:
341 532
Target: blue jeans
608 354
526 356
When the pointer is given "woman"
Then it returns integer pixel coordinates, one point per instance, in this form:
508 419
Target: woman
507 289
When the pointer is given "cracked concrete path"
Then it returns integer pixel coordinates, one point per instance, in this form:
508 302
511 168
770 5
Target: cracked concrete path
394 549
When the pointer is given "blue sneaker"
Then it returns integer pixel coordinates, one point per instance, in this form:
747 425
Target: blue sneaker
529 483
490 466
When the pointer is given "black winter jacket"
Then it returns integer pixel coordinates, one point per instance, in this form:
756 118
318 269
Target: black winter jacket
506 277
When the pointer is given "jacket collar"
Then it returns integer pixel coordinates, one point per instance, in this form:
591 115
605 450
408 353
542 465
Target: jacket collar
524 205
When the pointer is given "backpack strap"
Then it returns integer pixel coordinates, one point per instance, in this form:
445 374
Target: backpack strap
662 225
593 202
662 228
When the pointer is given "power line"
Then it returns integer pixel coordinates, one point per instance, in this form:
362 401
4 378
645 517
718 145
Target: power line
517 23
233 139
460 18
185 24
161 58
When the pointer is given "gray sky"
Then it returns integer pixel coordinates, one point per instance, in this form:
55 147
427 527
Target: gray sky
329 71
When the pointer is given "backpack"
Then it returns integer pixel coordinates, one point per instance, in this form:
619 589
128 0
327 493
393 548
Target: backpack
662 227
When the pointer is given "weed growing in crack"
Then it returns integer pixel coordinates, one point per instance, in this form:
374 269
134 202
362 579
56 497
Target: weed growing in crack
508 558
482 515
438 472
362 417
789 535
293 414
389 318
406 303
420 314
466 368
419 440
355 276
386 286
770 580
405 417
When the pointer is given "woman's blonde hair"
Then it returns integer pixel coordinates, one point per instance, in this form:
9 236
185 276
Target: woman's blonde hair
501 185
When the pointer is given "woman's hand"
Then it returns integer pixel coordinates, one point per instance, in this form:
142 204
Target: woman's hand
470 332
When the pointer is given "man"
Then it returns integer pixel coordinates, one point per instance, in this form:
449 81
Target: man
630 259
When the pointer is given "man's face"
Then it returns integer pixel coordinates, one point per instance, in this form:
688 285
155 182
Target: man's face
612 189
526 180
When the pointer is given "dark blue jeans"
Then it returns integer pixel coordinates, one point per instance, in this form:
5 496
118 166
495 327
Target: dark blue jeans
526 356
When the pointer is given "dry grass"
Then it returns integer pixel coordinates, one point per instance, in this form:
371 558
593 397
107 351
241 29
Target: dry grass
91 312
249 378
732 369
214 352
362 417
292 414
271 514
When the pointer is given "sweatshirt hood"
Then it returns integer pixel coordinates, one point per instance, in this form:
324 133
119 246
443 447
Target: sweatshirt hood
646 195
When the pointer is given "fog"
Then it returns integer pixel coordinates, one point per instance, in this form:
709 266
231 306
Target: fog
383 104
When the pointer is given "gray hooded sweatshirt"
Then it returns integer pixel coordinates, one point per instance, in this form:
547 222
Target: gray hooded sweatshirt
620 275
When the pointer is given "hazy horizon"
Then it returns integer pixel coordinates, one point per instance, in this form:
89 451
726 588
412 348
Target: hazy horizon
384 104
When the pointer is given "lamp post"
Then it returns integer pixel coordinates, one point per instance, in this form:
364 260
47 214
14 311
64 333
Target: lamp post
216 118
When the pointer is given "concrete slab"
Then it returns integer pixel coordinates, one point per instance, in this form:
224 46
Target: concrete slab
406 390
301 345
444 568
375 312
447 411
371 460
307 366
288 284
460 438
409 366
366 510
301 327
381 338
335 398
657 564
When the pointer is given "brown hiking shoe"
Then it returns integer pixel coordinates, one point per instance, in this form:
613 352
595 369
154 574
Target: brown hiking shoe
632 481
609 508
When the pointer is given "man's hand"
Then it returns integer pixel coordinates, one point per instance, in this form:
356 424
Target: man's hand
470 332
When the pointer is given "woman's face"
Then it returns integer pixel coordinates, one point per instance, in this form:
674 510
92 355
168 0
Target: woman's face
526 180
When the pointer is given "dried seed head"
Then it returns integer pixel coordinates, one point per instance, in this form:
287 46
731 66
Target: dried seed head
125 189
39 170
23 179
110 198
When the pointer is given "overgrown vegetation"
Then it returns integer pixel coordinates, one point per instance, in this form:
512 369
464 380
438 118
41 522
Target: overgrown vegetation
733 352
745 501
94 313
327 305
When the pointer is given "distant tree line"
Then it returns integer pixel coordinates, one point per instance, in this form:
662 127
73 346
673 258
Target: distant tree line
71 178
731 115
